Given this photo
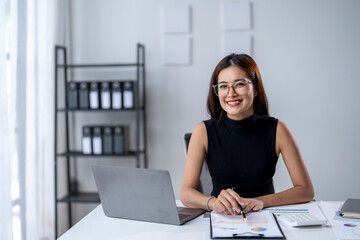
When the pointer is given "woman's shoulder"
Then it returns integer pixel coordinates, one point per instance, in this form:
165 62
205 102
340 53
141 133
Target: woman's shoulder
205 125
282 127
200 126
199 133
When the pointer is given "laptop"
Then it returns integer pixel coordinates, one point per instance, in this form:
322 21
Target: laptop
140 194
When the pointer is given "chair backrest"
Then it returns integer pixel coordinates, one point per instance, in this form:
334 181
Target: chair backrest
205 182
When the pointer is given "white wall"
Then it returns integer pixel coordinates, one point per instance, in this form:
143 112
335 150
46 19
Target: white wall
308 53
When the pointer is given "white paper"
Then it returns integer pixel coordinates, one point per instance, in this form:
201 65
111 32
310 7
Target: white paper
116 100
338 223
97 149
94 99
224 225
105 100
237 44
311 208
237 16
176 19
128 99
86 145
177 50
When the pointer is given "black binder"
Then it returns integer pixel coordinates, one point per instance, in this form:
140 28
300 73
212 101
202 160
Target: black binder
84 95
72 95
108 140
119 141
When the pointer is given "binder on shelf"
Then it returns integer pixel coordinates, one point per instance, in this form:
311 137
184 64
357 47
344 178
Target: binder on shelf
84 95
108 140
116 95
105 95
94 95
128 95
119 140
72 95
74 186
86 140
97 140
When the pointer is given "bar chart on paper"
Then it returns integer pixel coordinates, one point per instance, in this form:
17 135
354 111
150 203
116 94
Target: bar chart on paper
257 224
312 210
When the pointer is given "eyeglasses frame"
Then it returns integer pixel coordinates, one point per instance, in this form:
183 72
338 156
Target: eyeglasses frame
246 79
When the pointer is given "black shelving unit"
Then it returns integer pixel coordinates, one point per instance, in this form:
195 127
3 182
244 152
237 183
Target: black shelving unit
62 110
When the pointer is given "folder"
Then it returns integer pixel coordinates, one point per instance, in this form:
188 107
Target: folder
105 95
86 140
94 95
108 140
72 95
350 208
84 95
97 140
116 95
128 95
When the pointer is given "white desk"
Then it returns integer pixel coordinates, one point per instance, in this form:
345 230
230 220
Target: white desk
97 226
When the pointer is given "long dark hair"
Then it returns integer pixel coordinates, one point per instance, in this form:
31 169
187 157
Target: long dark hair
249 66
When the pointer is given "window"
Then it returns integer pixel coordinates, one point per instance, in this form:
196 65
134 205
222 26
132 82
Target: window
12 93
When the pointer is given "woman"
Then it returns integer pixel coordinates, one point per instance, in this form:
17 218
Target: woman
241 144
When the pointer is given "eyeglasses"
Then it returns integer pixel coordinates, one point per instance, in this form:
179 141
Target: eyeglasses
222 89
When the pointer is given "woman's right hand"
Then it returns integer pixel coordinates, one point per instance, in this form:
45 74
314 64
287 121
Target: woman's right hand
227 201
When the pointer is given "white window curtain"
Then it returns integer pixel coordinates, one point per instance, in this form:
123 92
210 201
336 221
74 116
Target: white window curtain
6 135
7 116
32 65
44 30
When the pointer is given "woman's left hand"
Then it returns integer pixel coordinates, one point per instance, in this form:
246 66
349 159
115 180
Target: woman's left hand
254 204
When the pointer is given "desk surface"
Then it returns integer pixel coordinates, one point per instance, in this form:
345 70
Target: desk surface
97 226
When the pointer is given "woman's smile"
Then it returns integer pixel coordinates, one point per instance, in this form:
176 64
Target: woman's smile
233 103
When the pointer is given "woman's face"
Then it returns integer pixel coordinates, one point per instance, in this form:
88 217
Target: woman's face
238 102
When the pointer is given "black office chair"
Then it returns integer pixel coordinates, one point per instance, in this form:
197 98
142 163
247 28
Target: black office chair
205 183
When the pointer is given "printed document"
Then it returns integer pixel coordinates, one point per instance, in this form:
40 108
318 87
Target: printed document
262 224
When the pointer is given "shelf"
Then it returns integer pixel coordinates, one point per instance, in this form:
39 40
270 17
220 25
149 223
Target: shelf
80 154
81 197
136 117
98 110
100 65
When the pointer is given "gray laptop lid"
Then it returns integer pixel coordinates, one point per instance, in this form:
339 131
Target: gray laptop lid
137 194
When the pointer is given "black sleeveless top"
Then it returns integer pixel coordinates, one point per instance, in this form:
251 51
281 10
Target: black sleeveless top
241 154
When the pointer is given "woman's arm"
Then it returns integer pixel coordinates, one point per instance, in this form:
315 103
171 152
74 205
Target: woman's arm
189 195
302 190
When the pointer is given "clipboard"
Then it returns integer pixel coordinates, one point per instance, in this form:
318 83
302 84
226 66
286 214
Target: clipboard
241 230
